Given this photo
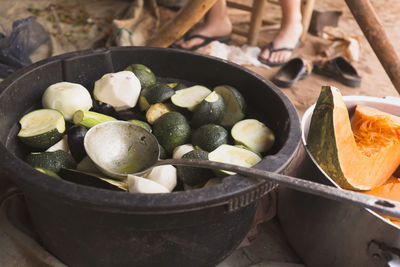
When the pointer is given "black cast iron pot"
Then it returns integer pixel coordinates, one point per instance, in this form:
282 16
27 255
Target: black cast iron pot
85 226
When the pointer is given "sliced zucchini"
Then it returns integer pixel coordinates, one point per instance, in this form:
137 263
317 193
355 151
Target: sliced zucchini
235 105
171 130
164 175
190 97
155 93
234 155
177 86
144 74
142 124
210 110
210 136
155 111
52 161
181 150
138 184
41 128
90 118
253 134
191 175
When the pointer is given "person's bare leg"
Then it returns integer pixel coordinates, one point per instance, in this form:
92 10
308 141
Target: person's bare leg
216 24
289 33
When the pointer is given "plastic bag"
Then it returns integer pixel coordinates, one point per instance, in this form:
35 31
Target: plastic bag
18 44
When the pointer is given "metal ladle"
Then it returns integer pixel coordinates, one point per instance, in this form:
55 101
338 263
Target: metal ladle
120 148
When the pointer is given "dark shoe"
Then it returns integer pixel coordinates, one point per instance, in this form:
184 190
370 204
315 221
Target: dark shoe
292 71
272 50
206 41
339 69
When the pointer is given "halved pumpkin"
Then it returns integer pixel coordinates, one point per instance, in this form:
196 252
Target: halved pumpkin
390 190
360 160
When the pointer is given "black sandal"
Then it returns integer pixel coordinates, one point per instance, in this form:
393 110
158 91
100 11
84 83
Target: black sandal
339 69
292 71
206 41
272 50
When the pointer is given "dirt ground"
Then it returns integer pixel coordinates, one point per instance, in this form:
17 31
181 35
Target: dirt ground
375 81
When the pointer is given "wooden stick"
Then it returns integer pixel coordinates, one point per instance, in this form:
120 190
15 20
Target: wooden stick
376 35
256 21
188 16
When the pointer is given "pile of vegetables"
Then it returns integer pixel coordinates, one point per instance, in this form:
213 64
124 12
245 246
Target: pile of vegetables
188 121
362 154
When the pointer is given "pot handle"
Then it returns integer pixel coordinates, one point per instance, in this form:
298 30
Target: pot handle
383 254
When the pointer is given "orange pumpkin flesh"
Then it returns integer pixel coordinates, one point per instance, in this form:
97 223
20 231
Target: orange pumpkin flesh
390 190
360 161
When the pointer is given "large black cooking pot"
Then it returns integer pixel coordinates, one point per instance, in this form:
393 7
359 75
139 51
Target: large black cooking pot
84 226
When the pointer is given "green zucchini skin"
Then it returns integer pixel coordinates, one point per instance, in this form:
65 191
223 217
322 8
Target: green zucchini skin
154 93
89 119
191 175
42 141
48 136
210 110
52 161
235 104
143 73
210 136
172 130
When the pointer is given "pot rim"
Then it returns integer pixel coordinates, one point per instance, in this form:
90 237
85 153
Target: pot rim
233 190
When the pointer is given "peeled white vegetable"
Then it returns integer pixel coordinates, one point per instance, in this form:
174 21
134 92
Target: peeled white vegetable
120 90
181 150
138 184
67 98
60 145
164 175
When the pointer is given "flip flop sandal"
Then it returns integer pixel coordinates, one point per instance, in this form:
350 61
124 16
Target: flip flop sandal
292 71
206 41
273 50
339 69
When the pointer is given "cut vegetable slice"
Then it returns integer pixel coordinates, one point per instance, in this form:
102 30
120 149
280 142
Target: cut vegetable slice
235 105
155 93
210 136
155 111
90 118
253 134
234 155
210 110
363 159
181 150
164 175
142 185
42 128
52 161
190 97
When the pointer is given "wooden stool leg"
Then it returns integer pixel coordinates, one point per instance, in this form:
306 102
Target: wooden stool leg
188 16
306 17
256 21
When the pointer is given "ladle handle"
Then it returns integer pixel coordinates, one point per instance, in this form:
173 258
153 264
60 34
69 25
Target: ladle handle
381 205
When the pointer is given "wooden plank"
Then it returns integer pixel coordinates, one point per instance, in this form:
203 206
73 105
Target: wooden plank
184 20
377 37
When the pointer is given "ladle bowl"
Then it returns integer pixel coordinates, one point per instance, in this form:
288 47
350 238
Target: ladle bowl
120 148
